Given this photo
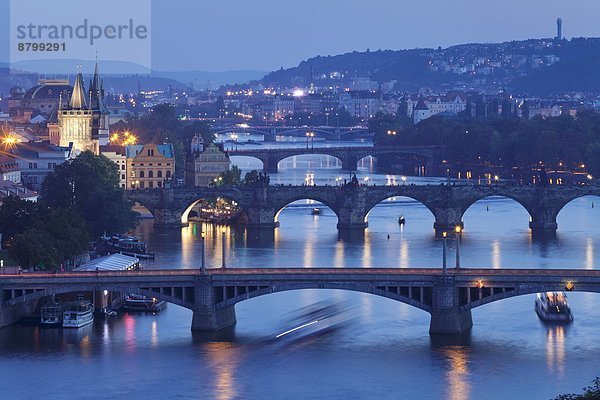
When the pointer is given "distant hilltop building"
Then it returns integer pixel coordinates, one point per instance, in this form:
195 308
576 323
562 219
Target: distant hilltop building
559 29
423 108
84 121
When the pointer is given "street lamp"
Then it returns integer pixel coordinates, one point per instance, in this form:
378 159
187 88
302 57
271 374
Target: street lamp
444 264
457 230
310 136
203 253
366 180
496 177
403 180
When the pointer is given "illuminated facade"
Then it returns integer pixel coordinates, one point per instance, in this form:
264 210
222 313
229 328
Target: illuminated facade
85 125
149 166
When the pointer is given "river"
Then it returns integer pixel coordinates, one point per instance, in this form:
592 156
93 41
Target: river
383 351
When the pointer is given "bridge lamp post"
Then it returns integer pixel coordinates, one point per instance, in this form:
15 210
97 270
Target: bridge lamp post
458 230
496 177
403 180
444 263
203 253
224 262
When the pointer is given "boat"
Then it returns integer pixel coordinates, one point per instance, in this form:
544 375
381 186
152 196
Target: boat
401 220
124 244
315 320
136 302
316 211
553 307
51 314
77 314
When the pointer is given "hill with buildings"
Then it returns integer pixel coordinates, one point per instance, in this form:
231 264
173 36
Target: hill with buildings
535 66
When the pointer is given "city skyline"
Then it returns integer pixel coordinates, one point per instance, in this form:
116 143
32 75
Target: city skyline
213 36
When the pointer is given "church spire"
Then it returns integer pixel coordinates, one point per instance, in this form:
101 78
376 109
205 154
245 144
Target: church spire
78 95
96 88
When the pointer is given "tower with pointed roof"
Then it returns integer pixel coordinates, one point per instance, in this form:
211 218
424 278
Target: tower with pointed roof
84 120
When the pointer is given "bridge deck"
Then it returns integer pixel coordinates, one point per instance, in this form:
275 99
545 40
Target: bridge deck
468 272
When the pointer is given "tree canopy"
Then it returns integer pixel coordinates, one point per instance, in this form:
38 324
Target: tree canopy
501 141
89 185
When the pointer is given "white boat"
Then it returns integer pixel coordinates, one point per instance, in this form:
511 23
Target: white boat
77 314
51 314
553 307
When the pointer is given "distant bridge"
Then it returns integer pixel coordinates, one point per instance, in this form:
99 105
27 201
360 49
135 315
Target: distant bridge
271 132
212 294
352 204
429 156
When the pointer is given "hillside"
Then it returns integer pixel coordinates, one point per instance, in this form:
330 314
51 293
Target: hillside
536 66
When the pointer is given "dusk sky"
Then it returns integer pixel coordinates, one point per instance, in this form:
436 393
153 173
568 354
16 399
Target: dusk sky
218 35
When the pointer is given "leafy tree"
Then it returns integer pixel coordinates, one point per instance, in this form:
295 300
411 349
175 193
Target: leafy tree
89 184
231 177
16 216
591 392
251 178
57 237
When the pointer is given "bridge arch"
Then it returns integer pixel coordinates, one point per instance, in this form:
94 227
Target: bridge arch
311 153
465 207
529 289
594 201
186 212
126 289
381 200
422 302
282 205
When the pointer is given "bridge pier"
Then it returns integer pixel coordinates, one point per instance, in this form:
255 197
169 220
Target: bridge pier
446 220
11 314
270 165
261 217
206 317
446 315
349 163
165 217
543 222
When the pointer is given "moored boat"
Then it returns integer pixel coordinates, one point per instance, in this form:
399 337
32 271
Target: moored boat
77 314
316 211
136 302
51 314
553 307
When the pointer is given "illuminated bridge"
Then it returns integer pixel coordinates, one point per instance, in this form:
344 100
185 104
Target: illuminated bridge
271 132
352 204
428 156
212 295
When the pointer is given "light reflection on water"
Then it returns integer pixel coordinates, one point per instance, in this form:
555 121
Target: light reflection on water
384 352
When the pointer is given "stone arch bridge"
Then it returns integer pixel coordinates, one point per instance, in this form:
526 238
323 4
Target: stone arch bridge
271 132
212 294
352 204
430 156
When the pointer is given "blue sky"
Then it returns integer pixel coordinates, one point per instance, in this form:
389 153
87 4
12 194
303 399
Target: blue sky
219 35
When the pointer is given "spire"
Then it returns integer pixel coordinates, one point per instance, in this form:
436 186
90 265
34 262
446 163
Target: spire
96 90
78 95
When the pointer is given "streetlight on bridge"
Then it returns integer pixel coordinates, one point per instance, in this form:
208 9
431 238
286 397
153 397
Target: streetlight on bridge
458 231
444 263
310 135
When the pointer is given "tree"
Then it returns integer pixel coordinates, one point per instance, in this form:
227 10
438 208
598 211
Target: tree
251 178
89 185
16 216
231 177
59 236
